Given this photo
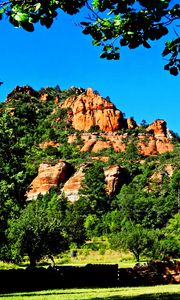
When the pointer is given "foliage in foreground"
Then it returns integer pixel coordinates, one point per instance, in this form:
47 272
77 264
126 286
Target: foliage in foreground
111 24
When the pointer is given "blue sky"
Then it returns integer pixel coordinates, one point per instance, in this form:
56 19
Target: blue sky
137 84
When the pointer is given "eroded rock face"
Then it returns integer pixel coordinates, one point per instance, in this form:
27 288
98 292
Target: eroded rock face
48 177
90 109
114 178
131 123
148 144
153 145
156 179
72 186
158 128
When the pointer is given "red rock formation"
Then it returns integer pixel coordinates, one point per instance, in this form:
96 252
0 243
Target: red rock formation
164 145
114 179
152 145
48 176
72 186
90 109
156 179
88 145
44 97
101 158
158 128
101 145
148 144
47 144
131 123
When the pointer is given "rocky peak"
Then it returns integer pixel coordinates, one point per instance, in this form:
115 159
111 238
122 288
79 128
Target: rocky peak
90 92
131 123
26 89
90 109
158 128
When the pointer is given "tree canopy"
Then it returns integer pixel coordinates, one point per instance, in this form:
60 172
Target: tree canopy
111 24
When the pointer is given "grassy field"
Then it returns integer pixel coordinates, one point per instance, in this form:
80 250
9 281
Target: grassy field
163 292
84 257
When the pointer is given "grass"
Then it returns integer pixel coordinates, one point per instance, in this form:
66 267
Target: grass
84 257
161 292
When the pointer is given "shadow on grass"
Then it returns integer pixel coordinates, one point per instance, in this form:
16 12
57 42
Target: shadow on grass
142 297
158 296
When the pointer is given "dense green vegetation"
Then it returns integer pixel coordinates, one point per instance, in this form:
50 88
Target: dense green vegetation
142 217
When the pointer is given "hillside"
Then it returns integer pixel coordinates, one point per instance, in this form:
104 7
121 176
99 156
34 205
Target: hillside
76 145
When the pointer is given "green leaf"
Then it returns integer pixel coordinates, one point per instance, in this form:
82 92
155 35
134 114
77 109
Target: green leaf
28 26
2 10
117 22
96 43
38 6
21 17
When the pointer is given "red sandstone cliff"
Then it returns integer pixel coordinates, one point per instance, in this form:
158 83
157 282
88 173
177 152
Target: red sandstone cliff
48 176
90 109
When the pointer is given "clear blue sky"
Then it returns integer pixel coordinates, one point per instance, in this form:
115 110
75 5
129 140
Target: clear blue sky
137 84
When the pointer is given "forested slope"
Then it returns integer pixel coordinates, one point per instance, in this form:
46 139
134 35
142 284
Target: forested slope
72 167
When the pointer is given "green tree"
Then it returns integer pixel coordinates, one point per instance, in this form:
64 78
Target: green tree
133 237
93 197
129 23
175 187
40 229
171 242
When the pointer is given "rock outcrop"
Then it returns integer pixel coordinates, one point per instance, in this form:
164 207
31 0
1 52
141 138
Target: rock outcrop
148 144
72 186
47 144
114 178
48 176
158 128
21 89
90 109
131 123
156 179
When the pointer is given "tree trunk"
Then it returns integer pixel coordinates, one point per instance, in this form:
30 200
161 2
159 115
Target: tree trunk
52 261
32 261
